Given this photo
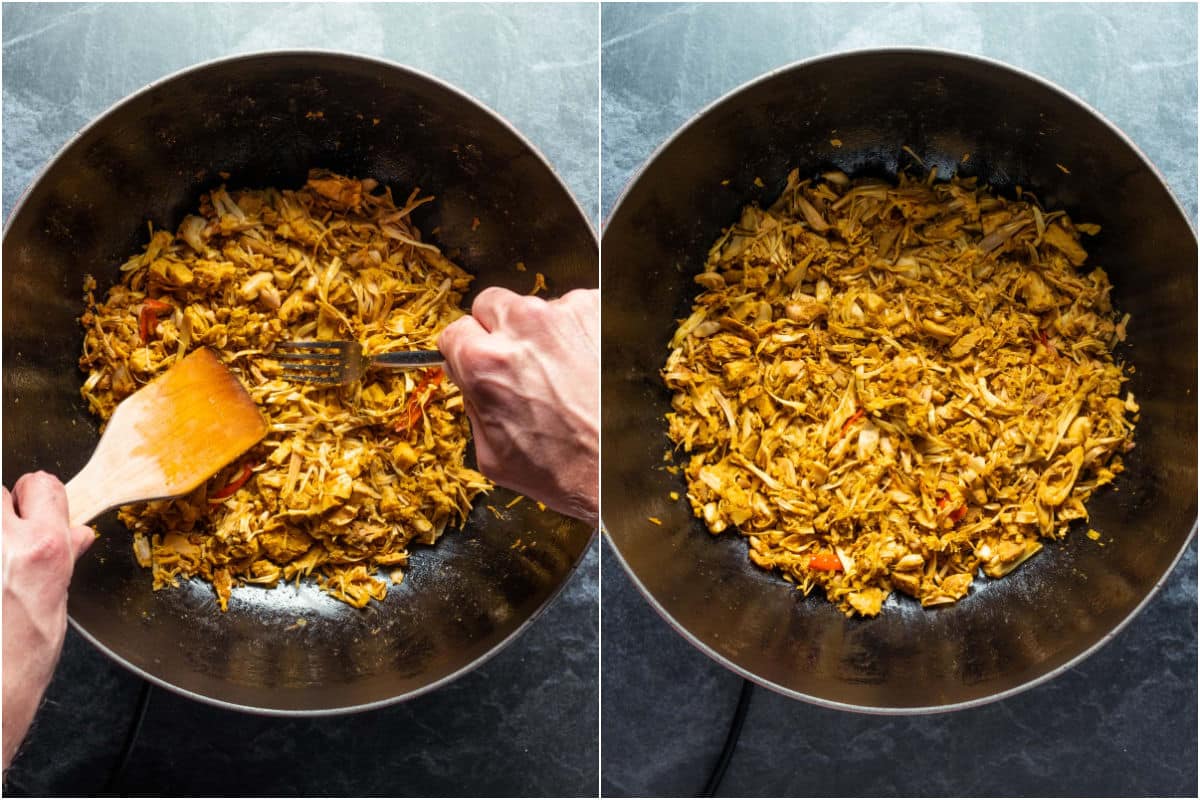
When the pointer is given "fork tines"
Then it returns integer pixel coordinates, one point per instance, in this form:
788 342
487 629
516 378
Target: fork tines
311 361
330 346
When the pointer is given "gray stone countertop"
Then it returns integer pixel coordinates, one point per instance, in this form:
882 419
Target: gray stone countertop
1121 723
525 722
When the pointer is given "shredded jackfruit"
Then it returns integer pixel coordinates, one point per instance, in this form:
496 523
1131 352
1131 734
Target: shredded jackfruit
347 478
892 387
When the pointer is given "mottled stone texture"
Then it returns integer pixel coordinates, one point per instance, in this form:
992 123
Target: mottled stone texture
534 64
523 724
1134 63
1121 723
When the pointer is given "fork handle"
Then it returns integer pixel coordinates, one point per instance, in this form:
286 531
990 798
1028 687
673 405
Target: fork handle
409 359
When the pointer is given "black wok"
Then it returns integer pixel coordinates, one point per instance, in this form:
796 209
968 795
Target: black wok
1009 634
266 119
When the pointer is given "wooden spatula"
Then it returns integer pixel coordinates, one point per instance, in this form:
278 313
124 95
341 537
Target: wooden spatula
168 438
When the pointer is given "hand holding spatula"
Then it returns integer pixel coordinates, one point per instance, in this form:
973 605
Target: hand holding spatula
168 438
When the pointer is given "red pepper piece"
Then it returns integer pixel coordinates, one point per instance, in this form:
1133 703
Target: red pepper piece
1045 342
416 404
825 561
237 483
151 308
855 417
958 513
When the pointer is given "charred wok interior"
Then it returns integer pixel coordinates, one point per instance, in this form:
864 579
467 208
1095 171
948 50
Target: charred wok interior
266 121
855 114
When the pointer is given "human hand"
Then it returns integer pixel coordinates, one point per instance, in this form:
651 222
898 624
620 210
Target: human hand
39 552
529 370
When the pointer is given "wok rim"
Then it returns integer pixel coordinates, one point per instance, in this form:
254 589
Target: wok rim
692 639
496 117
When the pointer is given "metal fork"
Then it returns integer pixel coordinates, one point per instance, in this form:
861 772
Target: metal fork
336 363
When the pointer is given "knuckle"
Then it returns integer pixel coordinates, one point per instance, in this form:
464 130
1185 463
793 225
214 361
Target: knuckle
49 548
39 494
530 313
480 355
578 301
457 341
43 478
534 305
493 297
489 360
451 337
40 482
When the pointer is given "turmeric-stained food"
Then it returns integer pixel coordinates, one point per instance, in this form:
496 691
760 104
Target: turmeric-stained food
348 477
895 386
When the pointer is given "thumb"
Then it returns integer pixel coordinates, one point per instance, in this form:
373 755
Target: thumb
81 538
455 342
